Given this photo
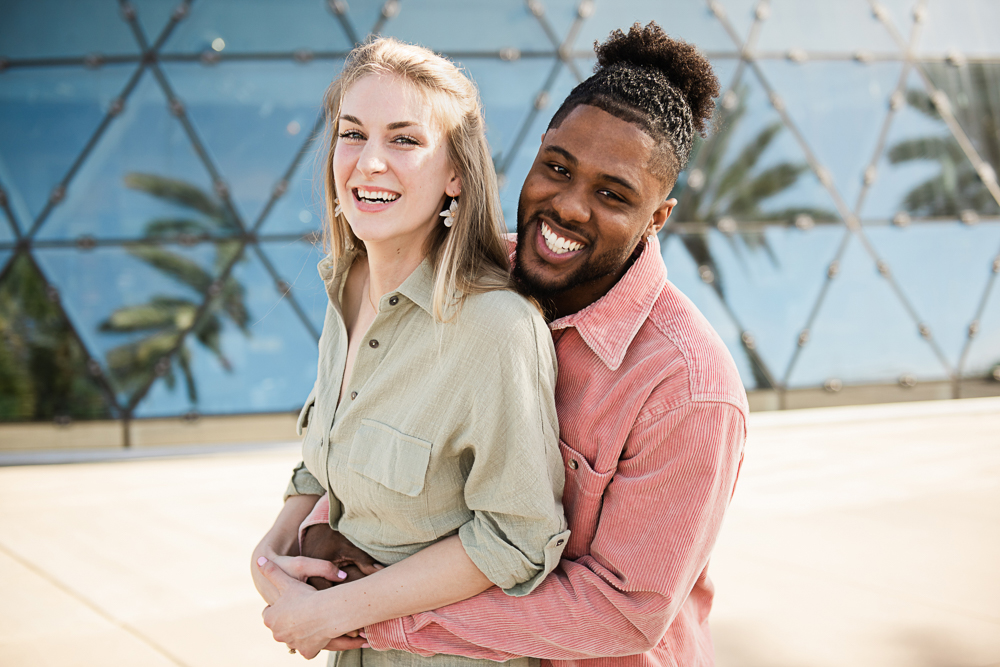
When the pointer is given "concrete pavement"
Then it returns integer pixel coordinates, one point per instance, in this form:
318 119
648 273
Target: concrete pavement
857 536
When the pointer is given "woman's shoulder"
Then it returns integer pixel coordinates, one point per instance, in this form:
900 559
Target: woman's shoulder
503 312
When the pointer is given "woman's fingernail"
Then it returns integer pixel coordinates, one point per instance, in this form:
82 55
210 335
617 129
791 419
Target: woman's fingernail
379 566
366 646
261 561
341 574
363 635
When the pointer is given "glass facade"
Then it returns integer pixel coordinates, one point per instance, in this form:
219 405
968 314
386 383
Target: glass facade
159 198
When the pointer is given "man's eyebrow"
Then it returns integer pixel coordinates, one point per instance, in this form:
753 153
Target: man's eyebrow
562 151
606 177
620 181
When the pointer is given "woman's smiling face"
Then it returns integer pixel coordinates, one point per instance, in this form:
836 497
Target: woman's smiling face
390 162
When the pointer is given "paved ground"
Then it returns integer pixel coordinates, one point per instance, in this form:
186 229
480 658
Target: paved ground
857 536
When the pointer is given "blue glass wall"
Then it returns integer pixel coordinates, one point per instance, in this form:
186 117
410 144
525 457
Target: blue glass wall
159 199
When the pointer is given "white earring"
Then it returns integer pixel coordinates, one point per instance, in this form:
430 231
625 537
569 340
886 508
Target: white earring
337 211
449 215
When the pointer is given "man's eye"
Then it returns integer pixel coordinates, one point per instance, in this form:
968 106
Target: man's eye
559 169
612 195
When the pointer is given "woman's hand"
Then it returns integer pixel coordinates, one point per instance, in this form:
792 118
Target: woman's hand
321 541
281 541
295 617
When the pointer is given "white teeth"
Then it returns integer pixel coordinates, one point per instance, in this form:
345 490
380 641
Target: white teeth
556 243
376 195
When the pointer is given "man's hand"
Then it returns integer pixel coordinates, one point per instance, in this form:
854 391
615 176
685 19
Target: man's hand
322 542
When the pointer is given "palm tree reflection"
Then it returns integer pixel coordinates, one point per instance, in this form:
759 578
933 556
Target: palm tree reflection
162 320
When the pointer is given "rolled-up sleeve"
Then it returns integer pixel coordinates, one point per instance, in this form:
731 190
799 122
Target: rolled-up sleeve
660 517
515 484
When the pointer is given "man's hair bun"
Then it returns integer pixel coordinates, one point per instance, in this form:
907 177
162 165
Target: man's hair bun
681 64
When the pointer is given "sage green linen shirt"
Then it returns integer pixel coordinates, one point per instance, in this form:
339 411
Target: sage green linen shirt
446 427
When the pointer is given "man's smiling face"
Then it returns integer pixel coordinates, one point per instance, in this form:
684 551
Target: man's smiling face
586 203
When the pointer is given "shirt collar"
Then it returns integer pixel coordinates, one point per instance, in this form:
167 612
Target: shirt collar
609 325
418 286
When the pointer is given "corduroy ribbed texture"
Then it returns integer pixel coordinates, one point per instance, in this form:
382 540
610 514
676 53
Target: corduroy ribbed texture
653 421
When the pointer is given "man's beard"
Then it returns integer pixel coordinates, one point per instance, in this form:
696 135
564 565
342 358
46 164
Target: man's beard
594 268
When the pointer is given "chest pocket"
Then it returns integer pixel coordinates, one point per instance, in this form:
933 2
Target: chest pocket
393 459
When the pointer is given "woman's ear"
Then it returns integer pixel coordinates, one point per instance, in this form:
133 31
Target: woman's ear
454 187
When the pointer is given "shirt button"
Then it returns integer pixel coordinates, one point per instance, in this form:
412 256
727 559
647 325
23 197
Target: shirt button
573 464
559 542
373 343
393 300
354 395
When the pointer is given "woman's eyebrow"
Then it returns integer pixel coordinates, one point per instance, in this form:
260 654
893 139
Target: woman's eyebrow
401 123
351 119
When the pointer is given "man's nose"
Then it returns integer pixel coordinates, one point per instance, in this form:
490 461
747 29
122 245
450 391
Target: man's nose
571 205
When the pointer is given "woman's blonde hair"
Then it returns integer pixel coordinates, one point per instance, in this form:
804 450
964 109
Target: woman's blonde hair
470 256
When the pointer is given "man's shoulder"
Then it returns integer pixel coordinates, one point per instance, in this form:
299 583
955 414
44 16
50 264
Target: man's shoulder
692 359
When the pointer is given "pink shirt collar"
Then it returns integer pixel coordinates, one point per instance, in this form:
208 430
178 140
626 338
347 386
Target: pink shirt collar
609 325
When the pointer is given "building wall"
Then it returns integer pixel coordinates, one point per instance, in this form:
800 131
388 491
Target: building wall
160 200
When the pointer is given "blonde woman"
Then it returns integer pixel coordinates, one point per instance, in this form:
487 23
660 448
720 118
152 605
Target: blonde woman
432 424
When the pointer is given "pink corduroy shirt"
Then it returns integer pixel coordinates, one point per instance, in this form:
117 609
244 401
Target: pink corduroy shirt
652 419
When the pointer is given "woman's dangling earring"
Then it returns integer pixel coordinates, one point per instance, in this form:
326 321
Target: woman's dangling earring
337 211
449 215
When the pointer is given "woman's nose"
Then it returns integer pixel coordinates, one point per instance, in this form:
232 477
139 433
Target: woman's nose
372 160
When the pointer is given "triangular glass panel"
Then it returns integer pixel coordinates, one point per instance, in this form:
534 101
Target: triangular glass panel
519 160
253 118
231 26
7 225
840 108
295 262
923 171
863 333
5 256
964 26
700 26
973 91
299 209
683 272
901 15
47 116
845 25
365 15
129 303
254 356
752 170
154 16
942 269
142 180
771 280
560 16
457 26
43 368
508 91
741 15
59 29
983 357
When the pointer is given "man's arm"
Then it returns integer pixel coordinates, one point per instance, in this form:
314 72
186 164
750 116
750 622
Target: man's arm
661 514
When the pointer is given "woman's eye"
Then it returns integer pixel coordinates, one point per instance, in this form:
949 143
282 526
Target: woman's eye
406 140
351 135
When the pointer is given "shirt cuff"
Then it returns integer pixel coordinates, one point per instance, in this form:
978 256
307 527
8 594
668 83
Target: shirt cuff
503 563
389 635
303 483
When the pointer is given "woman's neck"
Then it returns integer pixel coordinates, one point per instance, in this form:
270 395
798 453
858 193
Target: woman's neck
389 265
